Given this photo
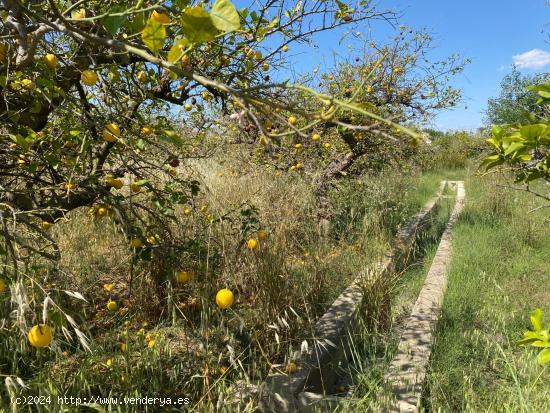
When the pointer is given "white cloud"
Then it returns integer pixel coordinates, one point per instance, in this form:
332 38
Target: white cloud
533 59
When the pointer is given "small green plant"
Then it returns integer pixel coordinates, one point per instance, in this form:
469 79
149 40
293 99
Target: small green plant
539 338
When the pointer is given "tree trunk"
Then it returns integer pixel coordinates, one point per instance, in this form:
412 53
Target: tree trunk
322 186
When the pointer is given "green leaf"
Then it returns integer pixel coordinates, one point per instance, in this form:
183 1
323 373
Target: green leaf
153 35
172 137
178 50
224 16
531 132
544 356
197 25
513 148
113 23
536 319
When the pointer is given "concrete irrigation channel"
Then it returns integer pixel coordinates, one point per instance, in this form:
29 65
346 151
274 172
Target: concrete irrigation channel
309 389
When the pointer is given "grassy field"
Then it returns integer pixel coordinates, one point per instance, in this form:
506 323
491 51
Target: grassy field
498 275
169 339
500 272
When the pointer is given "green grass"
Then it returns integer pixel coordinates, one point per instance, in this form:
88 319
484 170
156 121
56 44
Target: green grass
499 273
373 352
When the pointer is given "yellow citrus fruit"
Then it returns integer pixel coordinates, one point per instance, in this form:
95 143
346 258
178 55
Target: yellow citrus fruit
292 120
108 287
40 335
258 55
102 211
265 67
151 343
160 17
122 347
146 130
369 89
2 285
135 187
205 95
298 146
188 107
45 225
116 183
151 239
291 367
142 76
28 84
327 145
112 305
183 276
285 48
224 298
79 14
262 234
252 244
136 243
111 132
315 137
89 77
50 60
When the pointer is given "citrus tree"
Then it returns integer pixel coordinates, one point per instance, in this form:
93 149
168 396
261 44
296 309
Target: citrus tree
524 148
349 132
101 101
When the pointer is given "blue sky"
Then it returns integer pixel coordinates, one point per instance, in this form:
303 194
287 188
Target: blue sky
490 33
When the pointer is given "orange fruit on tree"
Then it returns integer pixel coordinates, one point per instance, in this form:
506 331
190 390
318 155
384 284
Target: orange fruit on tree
224 298
146 130
116 183
50 60
111 132
40 335
88 77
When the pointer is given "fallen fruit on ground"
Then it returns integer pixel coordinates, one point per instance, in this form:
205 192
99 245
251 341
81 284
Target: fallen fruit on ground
183 276
262 234
291 367
40 335
224 298
252 244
